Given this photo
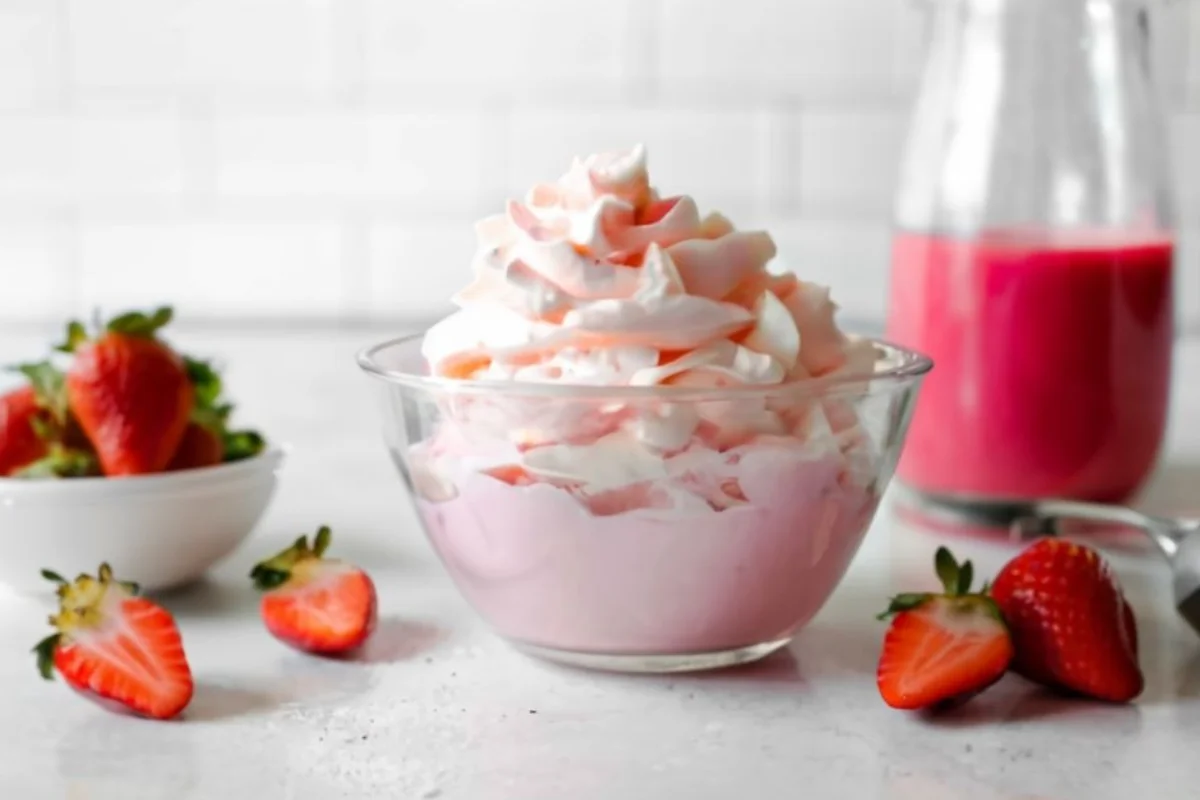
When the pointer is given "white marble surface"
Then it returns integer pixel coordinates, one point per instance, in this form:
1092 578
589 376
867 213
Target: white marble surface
440 708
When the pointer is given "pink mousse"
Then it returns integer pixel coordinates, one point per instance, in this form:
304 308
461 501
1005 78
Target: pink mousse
548 568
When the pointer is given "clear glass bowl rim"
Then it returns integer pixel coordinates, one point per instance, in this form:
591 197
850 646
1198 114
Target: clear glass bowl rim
910 365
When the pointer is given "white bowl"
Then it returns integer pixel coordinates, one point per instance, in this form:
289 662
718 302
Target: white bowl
161 531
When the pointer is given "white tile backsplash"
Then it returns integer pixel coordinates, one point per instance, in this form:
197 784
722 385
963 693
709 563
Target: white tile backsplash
30 66
261 46
846 161
285 155
846 51
273 158
439 252
134 155
238 268
84 159
721 158
126 45
35 268
434 162
486 49
36 162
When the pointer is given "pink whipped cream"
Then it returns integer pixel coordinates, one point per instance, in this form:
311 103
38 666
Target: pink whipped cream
648 524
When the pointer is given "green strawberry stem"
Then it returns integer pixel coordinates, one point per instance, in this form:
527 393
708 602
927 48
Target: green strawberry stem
956 581
61 462
276 570
76 599
212 412
45 655
131 323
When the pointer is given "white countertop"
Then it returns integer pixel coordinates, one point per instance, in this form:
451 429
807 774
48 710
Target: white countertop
443 709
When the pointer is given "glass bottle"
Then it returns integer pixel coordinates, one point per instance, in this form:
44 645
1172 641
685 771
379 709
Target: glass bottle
1033 253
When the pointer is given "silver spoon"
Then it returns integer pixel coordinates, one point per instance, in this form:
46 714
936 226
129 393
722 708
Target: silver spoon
1176 538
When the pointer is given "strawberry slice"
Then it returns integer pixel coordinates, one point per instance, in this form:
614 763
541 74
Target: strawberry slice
1073 628
942 649
116 648
315 604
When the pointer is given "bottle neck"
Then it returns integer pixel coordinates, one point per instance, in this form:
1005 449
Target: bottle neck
1036 112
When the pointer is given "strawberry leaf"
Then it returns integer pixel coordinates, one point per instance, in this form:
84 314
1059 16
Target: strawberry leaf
47 380
266 578
61 462
212 412
137 323
238 445
947 570
322 540
904 602
53 577
50 390
277 570
966 573
45 655
76 335
206 382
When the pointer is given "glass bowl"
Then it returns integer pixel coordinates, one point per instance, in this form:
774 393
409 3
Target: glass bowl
578 543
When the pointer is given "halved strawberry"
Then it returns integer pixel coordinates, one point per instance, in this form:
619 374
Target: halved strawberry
315 604
1073 628
116 648
942 649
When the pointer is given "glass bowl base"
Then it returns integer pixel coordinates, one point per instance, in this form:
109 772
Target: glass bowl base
655 663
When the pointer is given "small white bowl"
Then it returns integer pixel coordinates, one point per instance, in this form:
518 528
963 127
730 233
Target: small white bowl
161 531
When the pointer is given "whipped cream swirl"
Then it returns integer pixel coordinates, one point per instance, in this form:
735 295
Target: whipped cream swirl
597 280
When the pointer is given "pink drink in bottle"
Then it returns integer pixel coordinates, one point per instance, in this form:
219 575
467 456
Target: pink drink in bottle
1033 255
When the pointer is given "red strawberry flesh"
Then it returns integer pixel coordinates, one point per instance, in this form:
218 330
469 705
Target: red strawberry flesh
942 649
945 651
330 610
316 604
120 650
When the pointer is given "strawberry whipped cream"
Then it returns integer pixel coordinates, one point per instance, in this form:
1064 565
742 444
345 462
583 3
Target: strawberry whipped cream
621 521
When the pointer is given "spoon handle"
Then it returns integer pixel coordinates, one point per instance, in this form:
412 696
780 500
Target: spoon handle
1165 533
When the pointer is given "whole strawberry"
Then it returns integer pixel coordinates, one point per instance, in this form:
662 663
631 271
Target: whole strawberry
1071 624
38 436
208 439
130 392
942 649
199 447
316 604
20 443
115 647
